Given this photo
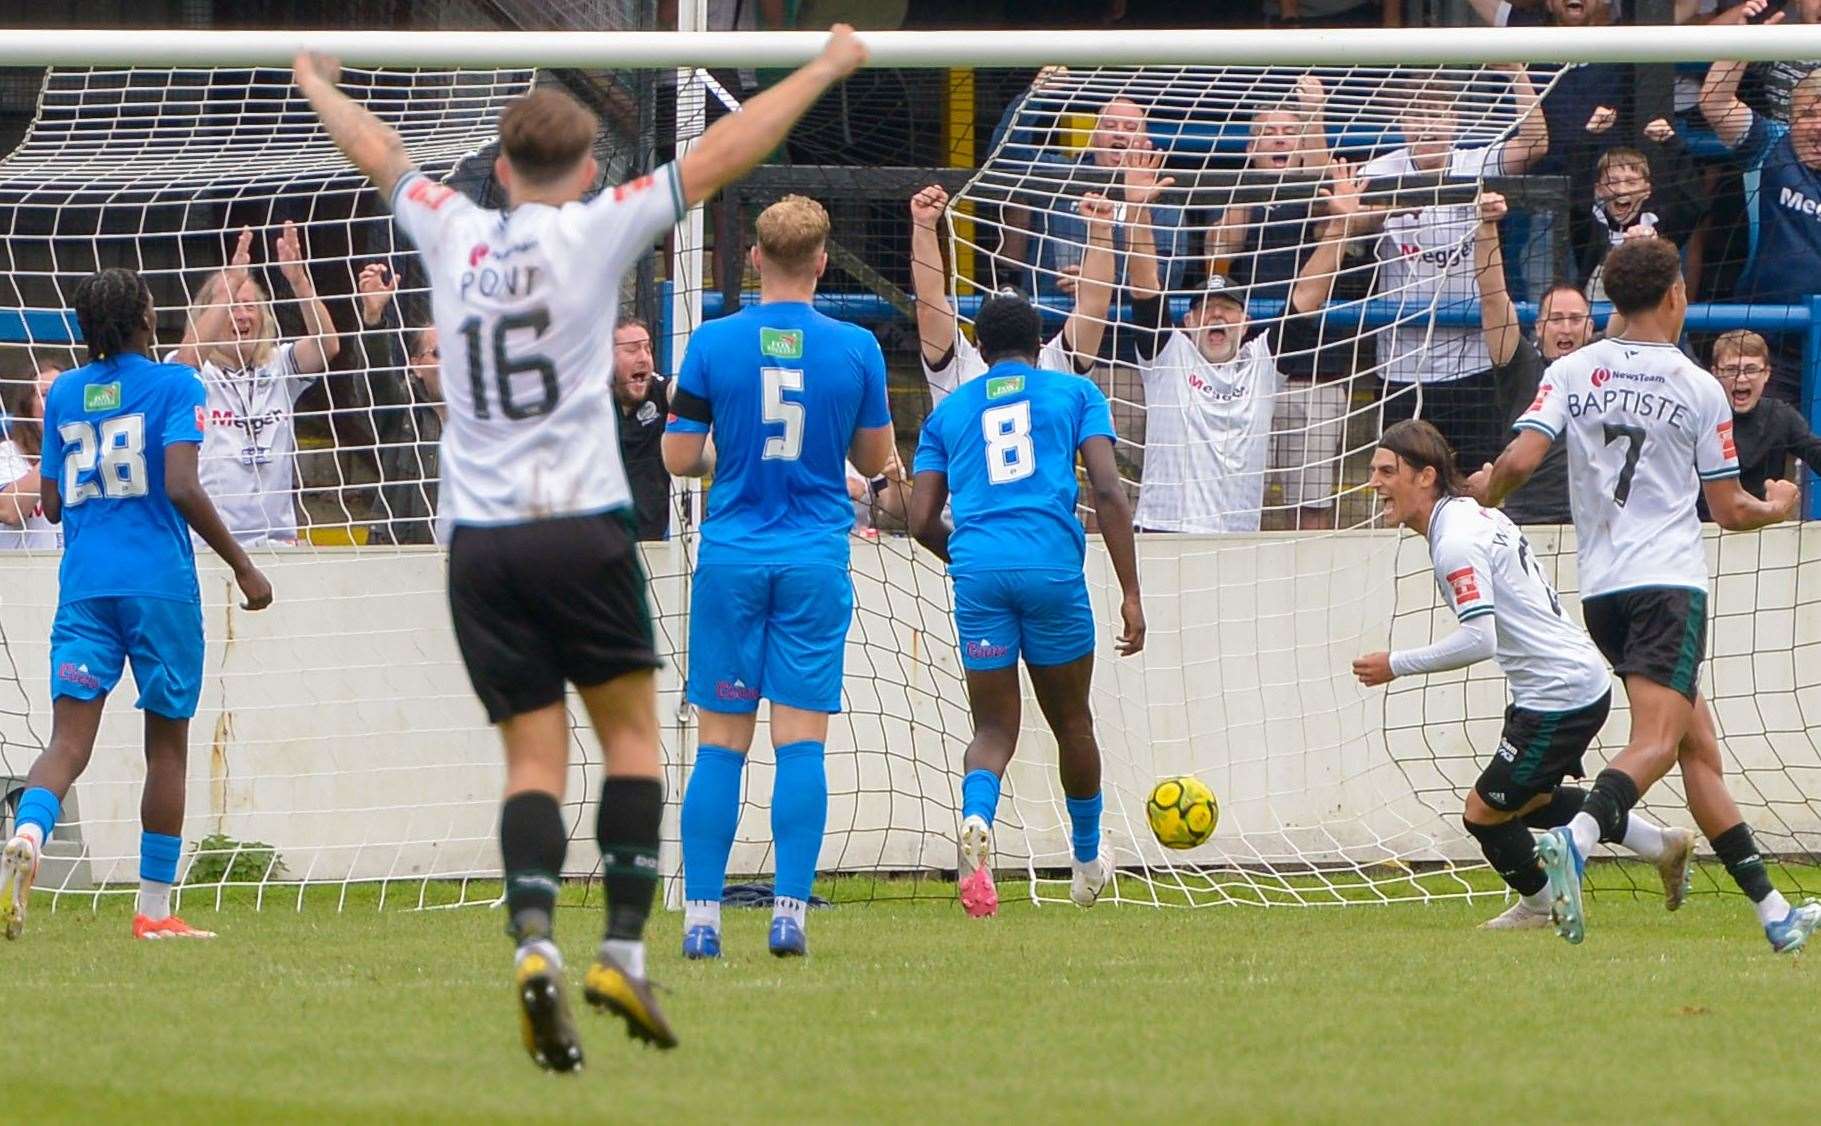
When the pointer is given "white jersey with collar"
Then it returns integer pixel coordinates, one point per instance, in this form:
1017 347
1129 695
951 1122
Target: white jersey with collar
524 302
1483 565
248 461
1645 426
1427 256
1206 430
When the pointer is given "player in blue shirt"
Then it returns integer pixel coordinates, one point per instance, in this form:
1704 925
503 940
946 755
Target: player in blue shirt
1004 446
121 438
791 396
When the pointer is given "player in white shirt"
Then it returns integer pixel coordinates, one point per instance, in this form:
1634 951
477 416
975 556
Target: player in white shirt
1648 431
1210 386
545 584
1560 689
949 357
23 526
1425 255
253 379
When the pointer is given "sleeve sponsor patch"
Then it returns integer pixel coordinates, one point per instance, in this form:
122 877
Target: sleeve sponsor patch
428 193
1728 448
1536 404
1466 587
631 187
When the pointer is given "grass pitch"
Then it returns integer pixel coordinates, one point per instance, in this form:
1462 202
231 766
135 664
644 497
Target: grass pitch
907 1011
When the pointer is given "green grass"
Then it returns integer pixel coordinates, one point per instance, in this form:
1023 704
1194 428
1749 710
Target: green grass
906 1011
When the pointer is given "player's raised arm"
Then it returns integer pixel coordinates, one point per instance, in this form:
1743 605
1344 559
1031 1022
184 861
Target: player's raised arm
369 143
737 142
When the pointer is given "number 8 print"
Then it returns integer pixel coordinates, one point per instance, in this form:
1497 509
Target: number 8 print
1009 454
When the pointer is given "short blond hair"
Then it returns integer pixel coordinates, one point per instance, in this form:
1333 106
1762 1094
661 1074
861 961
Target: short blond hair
1739 343
792 233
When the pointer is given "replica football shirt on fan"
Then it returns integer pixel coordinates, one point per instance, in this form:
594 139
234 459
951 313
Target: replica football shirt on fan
249 448
106 425
1206 431
965 363
38 534
1427 256
1641 421
1483 565
524 302
788 387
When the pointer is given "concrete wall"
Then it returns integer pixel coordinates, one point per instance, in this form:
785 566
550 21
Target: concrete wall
339 726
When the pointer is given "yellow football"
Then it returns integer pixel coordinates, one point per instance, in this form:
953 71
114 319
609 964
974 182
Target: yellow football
1182 812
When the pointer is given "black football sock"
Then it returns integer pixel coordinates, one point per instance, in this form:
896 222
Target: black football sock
533 844
631 812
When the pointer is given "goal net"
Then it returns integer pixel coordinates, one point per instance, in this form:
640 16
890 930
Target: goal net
338 743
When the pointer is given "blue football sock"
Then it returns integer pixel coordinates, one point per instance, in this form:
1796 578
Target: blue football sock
799 813
38 806
1084 827
980 795
711 812
158 856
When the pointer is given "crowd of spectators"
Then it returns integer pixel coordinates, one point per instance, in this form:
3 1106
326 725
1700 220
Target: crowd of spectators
1242 400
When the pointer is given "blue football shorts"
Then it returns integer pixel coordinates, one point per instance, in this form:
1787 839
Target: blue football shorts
91 641
768 630
1042 616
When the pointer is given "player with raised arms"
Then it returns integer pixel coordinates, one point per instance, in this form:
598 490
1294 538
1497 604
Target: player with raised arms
545 585
791 396
1648 431
1560 689
1005 446
122 434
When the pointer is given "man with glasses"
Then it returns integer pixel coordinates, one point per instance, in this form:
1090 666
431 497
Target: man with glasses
1768 432
1564 323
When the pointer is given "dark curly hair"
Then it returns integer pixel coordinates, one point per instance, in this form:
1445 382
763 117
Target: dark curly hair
1639 272
1007 327
110 307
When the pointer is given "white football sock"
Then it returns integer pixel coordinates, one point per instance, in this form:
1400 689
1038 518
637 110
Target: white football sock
1773 908
1586 832
627 953
702 913
1644 838
154 900
1540 902
35 834
784 907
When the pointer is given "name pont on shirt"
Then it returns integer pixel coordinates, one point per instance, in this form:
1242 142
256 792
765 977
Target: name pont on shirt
489 275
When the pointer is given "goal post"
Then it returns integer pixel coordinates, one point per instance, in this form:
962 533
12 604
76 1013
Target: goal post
339 745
